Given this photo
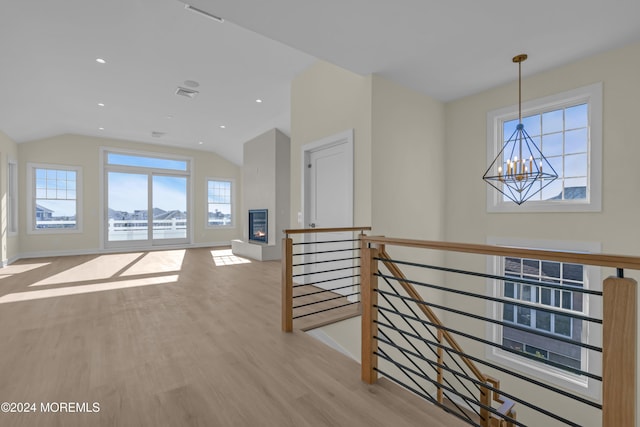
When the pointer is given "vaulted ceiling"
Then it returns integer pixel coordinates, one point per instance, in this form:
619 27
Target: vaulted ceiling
51 83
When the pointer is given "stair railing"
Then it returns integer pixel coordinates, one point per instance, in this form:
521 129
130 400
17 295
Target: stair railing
320 275
619 326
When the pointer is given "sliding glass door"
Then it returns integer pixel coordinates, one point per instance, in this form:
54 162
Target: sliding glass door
127 207
169 201
147 200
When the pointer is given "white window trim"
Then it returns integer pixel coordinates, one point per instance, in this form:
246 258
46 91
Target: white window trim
591 94
583 386
233 204
13 218
31 199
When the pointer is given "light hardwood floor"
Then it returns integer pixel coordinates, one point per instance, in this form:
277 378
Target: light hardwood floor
176 338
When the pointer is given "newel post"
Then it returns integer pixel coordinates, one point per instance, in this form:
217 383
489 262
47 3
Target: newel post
369 299
619 335
287 284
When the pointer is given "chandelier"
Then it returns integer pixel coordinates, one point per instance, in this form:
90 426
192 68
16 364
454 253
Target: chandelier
520 170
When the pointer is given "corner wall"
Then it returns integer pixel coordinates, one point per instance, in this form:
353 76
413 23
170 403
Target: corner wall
407 163
326 100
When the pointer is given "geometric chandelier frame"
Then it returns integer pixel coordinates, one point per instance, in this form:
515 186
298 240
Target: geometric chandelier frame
520 170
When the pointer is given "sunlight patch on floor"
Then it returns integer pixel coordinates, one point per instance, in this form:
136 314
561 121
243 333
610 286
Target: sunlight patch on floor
13 269
157 262
98 268
84 289
222 257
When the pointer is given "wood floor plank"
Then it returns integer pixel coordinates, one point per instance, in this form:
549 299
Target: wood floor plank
176 338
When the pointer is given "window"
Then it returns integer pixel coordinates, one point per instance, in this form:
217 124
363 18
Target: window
536 319
147 198
567 129
569 276
219 202
12 197
54 200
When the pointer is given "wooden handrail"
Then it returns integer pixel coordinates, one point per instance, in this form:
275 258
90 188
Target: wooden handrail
604 260
323 230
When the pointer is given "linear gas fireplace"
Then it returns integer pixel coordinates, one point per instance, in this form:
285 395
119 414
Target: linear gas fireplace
258 225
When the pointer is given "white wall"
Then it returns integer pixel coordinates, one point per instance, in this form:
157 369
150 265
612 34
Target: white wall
78 150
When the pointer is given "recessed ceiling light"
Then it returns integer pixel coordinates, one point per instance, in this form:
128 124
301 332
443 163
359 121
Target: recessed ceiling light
101 61
169 117
222 126
259 101
191 83
200 142
100 104
100 128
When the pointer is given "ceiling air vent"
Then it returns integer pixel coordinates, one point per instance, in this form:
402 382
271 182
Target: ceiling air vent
189 93
204 13
157 134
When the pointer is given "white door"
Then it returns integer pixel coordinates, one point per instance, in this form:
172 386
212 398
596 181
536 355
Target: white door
328 200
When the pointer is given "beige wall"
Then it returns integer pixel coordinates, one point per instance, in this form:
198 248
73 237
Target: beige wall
326 100
77 150
407 163
615 227
9 244
408 172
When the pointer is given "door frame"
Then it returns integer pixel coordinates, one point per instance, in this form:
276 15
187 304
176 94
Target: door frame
345 137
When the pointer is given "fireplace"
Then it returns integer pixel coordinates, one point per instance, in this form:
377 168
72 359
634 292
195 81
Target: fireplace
258 225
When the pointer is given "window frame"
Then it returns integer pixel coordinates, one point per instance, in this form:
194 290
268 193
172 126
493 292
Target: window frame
592 307
105 167
232 203
592 95
31 199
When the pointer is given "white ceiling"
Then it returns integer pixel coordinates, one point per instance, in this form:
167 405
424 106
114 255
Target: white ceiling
50 83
